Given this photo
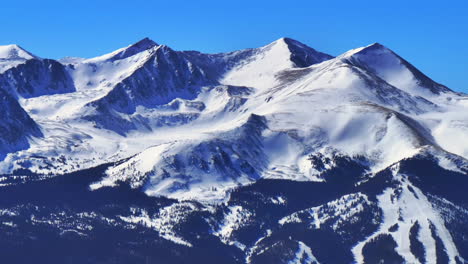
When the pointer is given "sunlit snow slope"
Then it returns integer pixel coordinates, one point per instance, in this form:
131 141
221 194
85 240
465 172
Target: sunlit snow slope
203 127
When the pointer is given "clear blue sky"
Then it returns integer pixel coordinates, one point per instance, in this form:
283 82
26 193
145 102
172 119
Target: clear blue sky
432 35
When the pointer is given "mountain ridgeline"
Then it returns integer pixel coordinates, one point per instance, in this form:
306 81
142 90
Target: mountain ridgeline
277 154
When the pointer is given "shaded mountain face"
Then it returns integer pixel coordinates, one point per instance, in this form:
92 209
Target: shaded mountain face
164 76
37 77
277 154
16 126
25 75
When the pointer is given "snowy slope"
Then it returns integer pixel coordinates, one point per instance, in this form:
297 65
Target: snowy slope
150 91
395 70
260 68
257 151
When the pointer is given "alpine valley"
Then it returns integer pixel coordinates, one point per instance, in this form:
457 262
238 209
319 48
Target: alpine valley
277 154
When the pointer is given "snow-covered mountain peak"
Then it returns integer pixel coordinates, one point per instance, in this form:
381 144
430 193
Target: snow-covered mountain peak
145 43
164 49
15 52
13 55
148 88
281 42
259 67
291 42
277 154
303 55
288 42
126 52
374 51
390 67
24 75
300 54
138 47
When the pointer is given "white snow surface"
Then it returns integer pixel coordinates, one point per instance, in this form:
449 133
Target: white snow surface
13 55
364 103
14 52
259 70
